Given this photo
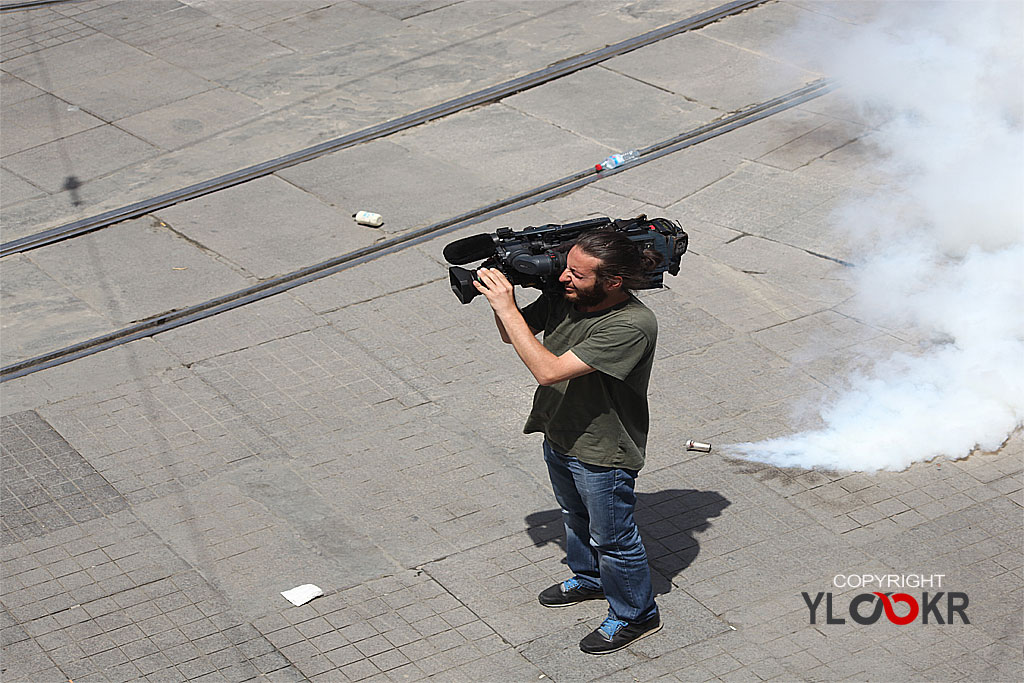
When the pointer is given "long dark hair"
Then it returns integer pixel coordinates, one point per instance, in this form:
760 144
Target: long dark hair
619 257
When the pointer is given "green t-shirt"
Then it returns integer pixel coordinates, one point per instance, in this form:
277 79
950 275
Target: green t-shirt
601 418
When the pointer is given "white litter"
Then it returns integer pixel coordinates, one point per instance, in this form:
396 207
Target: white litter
300 595
374 220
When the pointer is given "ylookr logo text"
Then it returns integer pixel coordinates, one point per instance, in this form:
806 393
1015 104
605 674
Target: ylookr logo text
933 607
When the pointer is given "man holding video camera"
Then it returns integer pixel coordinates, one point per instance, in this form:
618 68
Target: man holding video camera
593 369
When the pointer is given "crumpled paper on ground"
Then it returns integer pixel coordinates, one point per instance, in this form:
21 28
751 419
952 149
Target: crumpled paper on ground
300 595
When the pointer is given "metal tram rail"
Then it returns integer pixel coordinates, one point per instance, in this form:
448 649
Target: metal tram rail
172 319
30 4
490 94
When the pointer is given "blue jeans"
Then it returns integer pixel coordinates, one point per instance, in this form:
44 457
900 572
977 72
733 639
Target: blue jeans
603 547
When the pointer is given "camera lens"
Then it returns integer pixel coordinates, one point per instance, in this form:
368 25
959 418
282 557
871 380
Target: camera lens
462 283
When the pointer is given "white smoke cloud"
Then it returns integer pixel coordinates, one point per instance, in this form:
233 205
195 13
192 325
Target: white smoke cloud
943 242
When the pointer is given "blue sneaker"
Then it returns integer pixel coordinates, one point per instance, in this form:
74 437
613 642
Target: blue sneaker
615 634
568 593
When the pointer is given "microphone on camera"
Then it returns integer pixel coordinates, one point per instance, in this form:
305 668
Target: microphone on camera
469 249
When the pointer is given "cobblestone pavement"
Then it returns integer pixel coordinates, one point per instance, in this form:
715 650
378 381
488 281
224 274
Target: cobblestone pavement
362 432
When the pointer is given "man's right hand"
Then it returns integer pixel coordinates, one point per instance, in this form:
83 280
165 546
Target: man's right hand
493 284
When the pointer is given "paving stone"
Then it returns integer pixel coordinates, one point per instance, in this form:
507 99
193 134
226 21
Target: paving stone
189 120
16 90
637 115
336 25
61 502
749 81
499 156
270 218
65 163
14 189
169 263
405 193
135 89
40 120
68 64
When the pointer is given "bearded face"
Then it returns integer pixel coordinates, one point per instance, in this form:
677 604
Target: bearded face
579 279
586 296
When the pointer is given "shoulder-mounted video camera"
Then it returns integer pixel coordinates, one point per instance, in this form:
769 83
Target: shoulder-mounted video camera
536 256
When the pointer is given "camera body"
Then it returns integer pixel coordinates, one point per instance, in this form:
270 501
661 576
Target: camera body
536 256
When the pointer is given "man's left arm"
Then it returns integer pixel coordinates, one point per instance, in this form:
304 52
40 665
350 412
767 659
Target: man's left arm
547 368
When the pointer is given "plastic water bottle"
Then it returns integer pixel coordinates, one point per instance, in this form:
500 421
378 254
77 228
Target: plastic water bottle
616 160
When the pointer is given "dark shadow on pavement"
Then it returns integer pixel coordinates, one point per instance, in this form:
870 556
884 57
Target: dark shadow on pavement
669 521
71 184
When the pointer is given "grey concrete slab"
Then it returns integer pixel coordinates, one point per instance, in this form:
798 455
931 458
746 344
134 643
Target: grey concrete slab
448 513
475 18
412 631
371 280
14 189
69 64
855 11
219 55
455 71
633 114
794 33
607 22
29 32
771 203
331 28
265 138
250 14
805 276
256 323
407 187
144 24
818 144
38 120
755 140
168 272
668 180
590 201
41 314
437 76
738 299
134 89
92 373
24 395
189 120
16 90
180 626
331 75
291 536
505 146
69 161
73 491
721 76
406 10
837 106
270 227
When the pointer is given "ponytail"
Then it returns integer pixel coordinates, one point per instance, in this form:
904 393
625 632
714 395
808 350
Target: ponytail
619 257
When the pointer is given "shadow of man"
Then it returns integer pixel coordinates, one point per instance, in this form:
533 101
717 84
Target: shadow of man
668 521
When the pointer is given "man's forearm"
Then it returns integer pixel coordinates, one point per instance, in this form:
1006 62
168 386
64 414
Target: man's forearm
546 367
501 329
538 359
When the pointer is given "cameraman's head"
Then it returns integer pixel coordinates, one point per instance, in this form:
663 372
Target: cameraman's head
604 265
